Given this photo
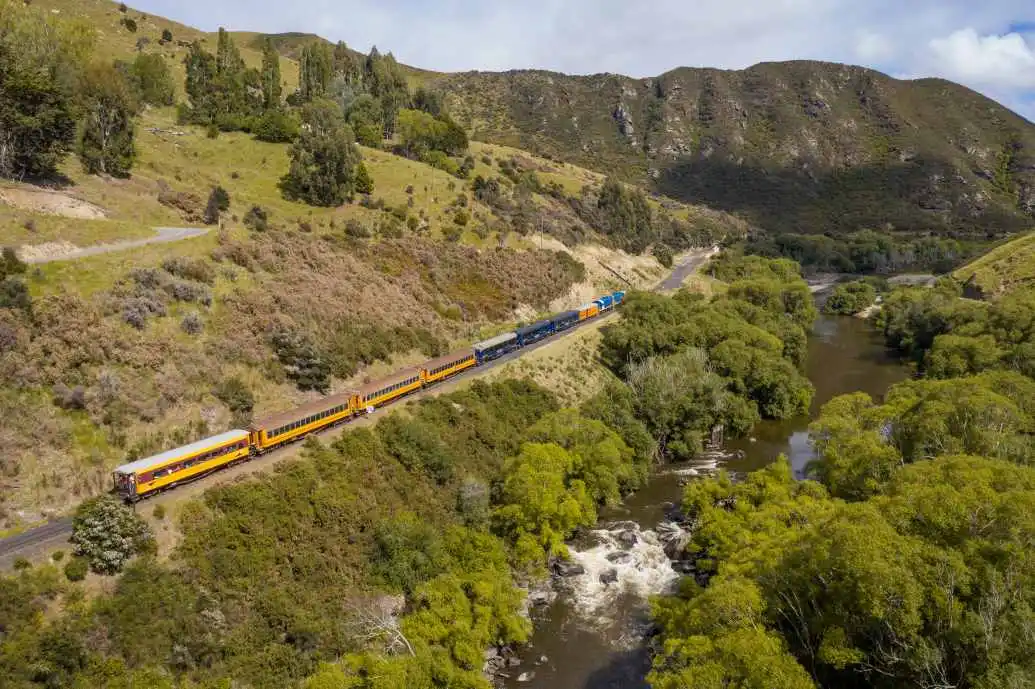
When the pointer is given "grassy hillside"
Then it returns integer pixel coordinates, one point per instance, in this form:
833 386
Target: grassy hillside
1007 268
794 147
129 352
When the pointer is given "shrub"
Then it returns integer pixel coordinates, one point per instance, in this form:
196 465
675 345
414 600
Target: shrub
69 398
108 534
400 212
663 254
356 229
30 225
256 219
412 222
158 512
462 218
136 310
235 394
195 269
452 233
212 130
301 360
130 24
167 35
192 324
57 555
76 569
189 292
21 564
409 189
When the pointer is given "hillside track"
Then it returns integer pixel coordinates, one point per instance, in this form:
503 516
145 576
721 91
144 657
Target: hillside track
163 235
39 541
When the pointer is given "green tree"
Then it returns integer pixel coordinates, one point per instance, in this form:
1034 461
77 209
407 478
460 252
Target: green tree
603 461
153 80
106 142
364 182
315 68
271 87
40 58
323 160
539 505
366 119
108 534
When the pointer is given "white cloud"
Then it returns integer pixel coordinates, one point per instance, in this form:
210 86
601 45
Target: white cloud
874 47
1000 62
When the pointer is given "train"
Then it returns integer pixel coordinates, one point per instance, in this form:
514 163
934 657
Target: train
147 476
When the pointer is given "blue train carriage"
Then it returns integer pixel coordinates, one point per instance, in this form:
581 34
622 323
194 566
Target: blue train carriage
604 303
148 475
535 332
618 297
564 320
495 347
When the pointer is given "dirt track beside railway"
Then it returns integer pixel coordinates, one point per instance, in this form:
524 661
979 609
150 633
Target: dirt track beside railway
37 543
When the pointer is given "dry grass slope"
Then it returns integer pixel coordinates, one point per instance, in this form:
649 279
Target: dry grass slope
1008 267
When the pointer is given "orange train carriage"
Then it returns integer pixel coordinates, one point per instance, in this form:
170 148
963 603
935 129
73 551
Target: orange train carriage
165 470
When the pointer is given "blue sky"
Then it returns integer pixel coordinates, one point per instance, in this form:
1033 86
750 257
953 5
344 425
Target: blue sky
988 45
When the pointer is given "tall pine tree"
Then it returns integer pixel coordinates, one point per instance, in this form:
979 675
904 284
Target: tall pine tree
270 76
314 71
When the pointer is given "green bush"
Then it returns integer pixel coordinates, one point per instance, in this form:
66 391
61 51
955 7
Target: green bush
256 219
76 568
158 512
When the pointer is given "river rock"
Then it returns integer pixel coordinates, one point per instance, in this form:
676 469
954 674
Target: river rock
619 557
609 576
628 538
526 676
568 569
542 660
540 597
684 566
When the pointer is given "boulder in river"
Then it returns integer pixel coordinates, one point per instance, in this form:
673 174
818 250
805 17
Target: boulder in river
619 557
526 676
609 576
628 539
568 569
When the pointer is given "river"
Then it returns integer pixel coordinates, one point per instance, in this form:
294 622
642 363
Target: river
591 636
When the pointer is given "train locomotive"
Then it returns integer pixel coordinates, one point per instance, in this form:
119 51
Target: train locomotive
141 478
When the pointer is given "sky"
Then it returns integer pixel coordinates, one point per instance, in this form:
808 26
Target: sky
988 45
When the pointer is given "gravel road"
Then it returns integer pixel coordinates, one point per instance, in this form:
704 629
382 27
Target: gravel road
162 235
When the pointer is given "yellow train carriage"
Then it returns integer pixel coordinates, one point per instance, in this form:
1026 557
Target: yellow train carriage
588 311
448 365
383 391
299 422
142 477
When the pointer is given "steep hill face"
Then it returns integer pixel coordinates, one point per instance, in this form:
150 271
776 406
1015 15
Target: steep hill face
794 146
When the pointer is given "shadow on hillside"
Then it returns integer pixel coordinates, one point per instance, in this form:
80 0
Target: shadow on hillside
871 197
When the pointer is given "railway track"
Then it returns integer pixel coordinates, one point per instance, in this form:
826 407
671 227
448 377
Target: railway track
54 534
